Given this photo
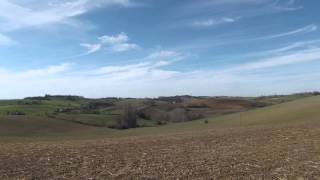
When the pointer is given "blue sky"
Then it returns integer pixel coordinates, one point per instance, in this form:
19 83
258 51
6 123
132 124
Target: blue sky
149 48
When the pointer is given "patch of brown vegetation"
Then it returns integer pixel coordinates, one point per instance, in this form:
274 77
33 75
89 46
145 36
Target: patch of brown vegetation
283 152
186 108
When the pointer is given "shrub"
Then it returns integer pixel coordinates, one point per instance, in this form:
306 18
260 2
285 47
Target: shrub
15 113
50 115
160 123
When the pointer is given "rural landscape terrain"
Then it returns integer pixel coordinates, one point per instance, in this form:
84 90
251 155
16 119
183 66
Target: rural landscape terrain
159 90
182 137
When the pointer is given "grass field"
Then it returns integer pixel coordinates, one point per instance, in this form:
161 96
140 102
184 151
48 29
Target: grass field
301 110
105 112
275 142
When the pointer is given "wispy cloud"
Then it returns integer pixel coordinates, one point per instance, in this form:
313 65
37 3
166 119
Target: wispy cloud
303 30
282 60
231 3
92 48
153 61
20 15
288 48
67 78
117 43
17 15
212 22
46 72
289 5
153 77
118 39
200 12
226 39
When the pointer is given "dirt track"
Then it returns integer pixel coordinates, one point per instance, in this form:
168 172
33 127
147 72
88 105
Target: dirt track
243 153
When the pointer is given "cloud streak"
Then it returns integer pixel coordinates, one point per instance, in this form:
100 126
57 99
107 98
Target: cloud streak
23 14
303 30
226 10
117 43
212 22
282 60
152 77
16 16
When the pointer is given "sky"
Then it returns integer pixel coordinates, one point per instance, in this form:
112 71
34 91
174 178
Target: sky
150 48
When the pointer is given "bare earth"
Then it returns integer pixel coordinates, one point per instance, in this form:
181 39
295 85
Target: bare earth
283 152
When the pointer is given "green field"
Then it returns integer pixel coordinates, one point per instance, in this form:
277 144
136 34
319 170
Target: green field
301 110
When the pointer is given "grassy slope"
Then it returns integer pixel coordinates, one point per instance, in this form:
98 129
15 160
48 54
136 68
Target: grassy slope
306 109
37 109
302 110
296 111
105 117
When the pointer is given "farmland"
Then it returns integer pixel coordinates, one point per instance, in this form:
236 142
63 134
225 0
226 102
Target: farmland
279 141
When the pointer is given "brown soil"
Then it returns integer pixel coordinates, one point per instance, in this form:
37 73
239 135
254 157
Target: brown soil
283 152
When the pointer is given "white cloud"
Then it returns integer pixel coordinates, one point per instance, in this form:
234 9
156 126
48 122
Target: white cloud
20 14
120 69
296 46
303 30
124 47
65 79
45 72
92 48
214 12
212 22
118 39
152 77
154 61
225 40
28 14
117 43
287 59
163 54
36 77
219 4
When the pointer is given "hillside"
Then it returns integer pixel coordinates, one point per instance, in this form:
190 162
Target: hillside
300 110
305 110
276 142
107 112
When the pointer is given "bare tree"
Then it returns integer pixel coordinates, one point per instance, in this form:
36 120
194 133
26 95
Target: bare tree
128 118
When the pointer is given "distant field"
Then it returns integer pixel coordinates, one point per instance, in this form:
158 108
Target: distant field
276 142
298 111
20 128
301 110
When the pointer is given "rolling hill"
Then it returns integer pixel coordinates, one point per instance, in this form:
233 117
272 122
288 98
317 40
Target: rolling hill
276 142
305 110
301 110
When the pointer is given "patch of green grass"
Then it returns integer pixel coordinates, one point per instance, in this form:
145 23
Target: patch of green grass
89 119
301 110
277 99
34 109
